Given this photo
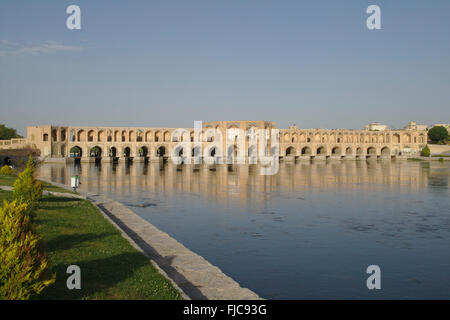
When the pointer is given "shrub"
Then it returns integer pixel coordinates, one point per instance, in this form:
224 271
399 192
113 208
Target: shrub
438 134
26 188
6 170
425 151
23 262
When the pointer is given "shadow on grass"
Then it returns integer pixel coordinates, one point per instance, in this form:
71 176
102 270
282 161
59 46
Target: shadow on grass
97 277
60 199
70 241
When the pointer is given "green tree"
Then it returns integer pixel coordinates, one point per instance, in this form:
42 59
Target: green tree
26 188
6 170
425 151
23 261
438 134
8 133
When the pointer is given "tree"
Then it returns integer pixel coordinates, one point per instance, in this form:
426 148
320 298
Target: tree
23 261
26 188
438 133
425 151
8 133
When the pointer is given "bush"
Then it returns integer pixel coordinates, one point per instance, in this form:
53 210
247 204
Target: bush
7 171
425 151
26 188
438 134
23 262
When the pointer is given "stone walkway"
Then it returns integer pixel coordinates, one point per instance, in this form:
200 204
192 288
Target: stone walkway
190 273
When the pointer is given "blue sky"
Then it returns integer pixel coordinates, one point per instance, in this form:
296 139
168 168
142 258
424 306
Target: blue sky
168 63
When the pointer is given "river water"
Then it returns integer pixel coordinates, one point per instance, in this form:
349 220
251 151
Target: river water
309 232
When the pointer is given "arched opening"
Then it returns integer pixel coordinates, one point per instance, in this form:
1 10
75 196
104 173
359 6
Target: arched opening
406 138
127 152
359 151
320 151
371 151
91 135
158 136
45 137
385 152
161 151
116 136
396 138
95 152
196 152
54 135
306 151
113 152
232 151
167 136
148 136
252 151
75 152
143 151
348 151
100 135
178 151
336 151
140 136
63 135
290 151
81 135
131 136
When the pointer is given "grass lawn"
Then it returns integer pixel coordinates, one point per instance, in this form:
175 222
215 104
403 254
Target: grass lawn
75 232
6 180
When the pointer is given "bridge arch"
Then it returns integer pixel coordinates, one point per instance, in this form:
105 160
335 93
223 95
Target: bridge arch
371 151
321 151
76 152
290 151
336 151
306 151
161 151
349 151
95 152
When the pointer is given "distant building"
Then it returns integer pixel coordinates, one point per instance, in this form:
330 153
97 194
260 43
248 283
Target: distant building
376 126
412 125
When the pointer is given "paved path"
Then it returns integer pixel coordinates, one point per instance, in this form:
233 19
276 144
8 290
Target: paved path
190 273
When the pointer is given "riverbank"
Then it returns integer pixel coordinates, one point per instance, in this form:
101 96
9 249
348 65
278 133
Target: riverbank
75 232
195 276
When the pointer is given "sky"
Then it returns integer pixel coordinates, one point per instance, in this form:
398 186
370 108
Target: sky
167 63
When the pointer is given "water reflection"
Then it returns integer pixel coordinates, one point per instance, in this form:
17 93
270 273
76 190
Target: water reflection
243 183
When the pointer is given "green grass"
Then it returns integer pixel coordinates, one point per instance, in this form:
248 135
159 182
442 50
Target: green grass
441 155
6 180
75 232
